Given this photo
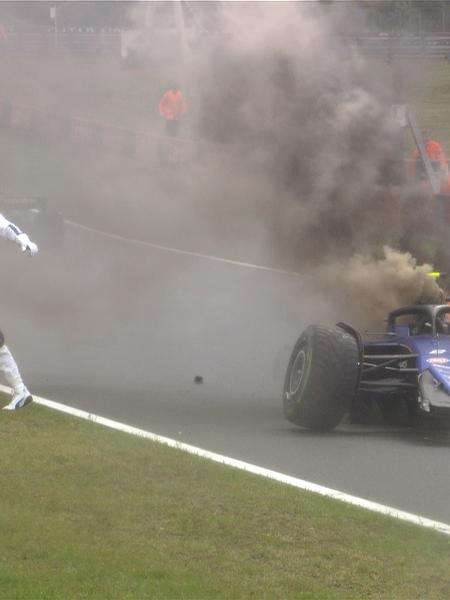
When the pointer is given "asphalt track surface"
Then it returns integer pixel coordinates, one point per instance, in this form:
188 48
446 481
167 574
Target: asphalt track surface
121 330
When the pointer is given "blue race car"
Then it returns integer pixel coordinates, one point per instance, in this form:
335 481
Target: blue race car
404 372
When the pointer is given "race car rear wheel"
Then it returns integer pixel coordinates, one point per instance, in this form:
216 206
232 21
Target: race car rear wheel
321 378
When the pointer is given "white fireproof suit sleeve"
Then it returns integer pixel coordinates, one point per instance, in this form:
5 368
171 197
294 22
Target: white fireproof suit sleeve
8 230
11 232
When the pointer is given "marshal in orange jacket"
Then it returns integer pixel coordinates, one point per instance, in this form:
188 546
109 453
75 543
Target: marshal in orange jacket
172 105
434 151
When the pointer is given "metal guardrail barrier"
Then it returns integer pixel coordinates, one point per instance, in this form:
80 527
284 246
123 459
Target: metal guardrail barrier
390 45
107 43
99 43
139 144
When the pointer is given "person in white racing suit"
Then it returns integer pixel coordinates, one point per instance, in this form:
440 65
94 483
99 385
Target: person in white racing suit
8 367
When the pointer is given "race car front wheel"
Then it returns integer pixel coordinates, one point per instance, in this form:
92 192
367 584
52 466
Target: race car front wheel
321 378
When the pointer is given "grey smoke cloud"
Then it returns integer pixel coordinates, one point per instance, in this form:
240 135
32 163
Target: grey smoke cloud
303 176
316 155
367 288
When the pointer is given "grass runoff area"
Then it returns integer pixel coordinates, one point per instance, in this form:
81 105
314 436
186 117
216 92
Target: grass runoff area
87 512
430 96
103 90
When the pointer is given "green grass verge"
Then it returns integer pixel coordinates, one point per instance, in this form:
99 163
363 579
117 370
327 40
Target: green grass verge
102 90
85 87
430 96
87 512
90 88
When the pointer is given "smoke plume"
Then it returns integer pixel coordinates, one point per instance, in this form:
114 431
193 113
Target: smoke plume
308 137
367 288
301 165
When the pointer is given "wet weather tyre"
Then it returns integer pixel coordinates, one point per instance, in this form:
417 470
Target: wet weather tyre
321 378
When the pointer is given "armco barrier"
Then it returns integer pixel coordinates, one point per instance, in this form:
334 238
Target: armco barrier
392 45
65 42
106 43
141 145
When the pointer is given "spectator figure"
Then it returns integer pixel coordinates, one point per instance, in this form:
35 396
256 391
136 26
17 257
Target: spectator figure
172 107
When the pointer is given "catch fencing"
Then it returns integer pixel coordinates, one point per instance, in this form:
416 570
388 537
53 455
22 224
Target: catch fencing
85 42
392 45
142 145
107 43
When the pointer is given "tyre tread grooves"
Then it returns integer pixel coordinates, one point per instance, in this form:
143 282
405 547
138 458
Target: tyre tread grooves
331 384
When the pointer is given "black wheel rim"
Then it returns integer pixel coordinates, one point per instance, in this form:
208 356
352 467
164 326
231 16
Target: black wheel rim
297 371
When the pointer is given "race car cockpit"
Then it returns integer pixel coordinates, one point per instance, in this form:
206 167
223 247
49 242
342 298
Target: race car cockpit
421 320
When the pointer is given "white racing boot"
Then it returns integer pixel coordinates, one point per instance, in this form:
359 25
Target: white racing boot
21 396
19 400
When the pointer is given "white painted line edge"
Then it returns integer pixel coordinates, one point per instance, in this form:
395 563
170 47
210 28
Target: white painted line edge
210 257
248 467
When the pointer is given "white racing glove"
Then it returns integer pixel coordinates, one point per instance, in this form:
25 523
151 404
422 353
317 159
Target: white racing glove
27 245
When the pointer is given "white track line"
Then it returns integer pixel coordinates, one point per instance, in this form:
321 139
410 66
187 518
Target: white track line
228 261
248 467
